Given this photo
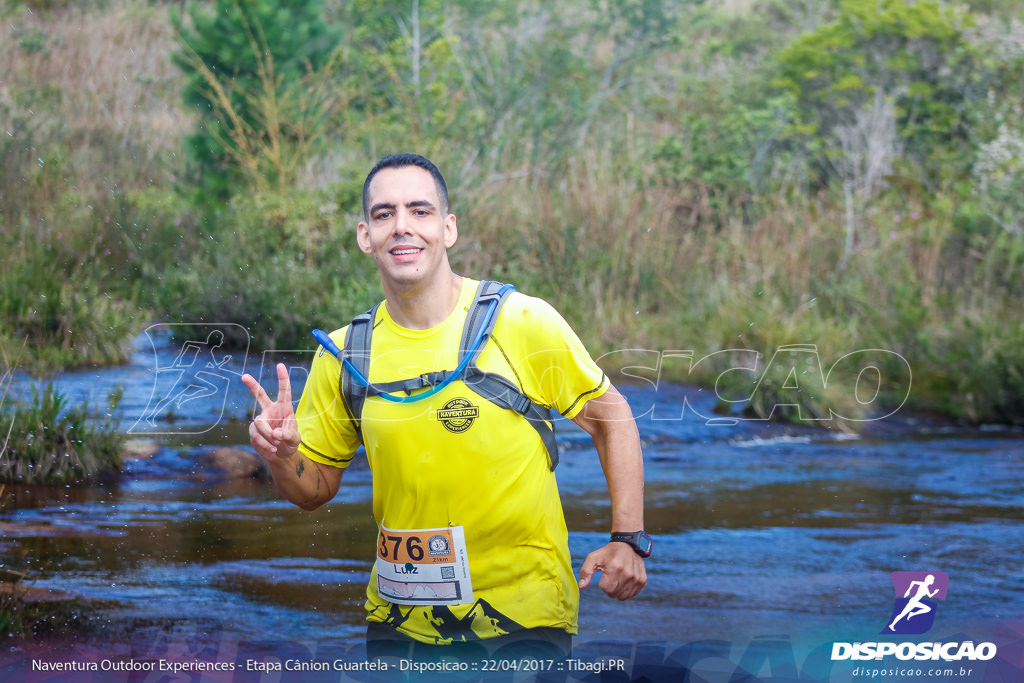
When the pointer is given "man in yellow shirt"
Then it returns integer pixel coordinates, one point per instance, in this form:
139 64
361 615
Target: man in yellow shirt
472 553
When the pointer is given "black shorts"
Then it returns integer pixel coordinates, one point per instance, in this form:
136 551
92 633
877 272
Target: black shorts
384 642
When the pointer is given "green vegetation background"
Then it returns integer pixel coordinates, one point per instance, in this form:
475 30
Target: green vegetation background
726 177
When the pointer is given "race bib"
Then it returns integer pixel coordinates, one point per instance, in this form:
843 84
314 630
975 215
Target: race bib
423 566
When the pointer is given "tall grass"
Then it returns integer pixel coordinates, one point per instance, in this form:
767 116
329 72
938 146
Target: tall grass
641 269
46 441
98 242
24 620
54 309
91 117
280 265
96 82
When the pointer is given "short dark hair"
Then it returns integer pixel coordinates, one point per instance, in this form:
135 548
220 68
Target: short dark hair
400 161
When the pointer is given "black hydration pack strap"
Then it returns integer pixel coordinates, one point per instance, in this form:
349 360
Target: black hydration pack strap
492 387
357 351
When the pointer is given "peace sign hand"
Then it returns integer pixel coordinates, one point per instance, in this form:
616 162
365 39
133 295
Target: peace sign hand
274 433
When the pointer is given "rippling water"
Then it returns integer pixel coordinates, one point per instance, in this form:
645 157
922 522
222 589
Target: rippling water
764 534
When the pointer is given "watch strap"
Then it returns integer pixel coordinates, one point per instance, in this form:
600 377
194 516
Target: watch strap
638 540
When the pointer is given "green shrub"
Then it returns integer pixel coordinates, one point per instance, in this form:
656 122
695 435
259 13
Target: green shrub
55 309
912 54
277 264
24 620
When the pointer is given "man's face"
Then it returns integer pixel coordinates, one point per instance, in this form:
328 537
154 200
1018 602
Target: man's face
408 231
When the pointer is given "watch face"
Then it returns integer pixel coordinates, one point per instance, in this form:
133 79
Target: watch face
640 541
644 543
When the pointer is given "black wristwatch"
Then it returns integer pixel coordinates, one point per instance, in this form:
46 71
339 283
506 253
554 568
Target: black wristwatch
641 543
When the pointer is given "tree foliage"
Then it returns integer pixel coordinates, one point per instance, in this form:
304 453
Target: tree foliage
408 91
647 164
911 53
259 74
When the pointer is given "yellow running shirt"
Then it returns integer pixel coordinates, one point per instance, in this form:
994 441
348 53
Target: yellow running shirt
457 462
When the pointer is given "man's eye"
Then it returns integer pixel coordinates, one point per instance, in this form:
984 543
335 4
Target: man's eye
383 215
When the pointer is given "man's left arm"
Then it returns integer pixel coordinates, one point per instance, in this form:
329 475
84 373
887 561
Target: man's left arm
609 421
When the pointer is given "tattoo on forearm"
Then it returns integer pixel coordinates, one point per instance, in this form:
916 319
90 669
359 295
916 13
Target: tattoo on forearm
300 468
316 495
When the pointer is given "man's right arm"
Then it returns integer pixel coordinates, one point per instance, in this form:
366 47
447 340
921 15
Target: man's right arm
305 482
275 436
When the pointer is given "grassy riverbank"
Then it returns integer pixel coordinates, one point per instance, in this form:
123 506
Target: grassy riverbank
34 619
46 441
691 188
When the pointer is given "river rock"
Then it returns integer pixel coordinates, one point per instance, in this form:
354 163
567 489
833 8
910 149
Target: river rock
233 463
11 585
23 592
139 449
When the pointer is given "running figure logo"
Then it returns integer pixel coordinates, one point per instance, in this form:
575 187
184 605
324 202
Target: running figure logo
916 595
194 386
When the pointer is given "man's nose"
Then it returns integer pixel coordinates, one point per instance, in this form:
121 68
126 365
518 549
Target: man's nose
401 223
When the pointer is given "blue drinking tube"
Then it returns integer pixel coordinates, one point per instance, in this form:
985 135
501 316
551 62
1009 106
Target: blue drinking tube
326 341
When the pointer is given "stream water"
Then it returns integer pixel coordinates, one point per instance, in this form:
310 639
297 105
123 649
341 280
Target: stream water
771 543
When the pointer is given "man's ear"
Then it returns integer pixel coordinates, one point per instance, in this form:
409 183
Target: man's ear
363 237
451 231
